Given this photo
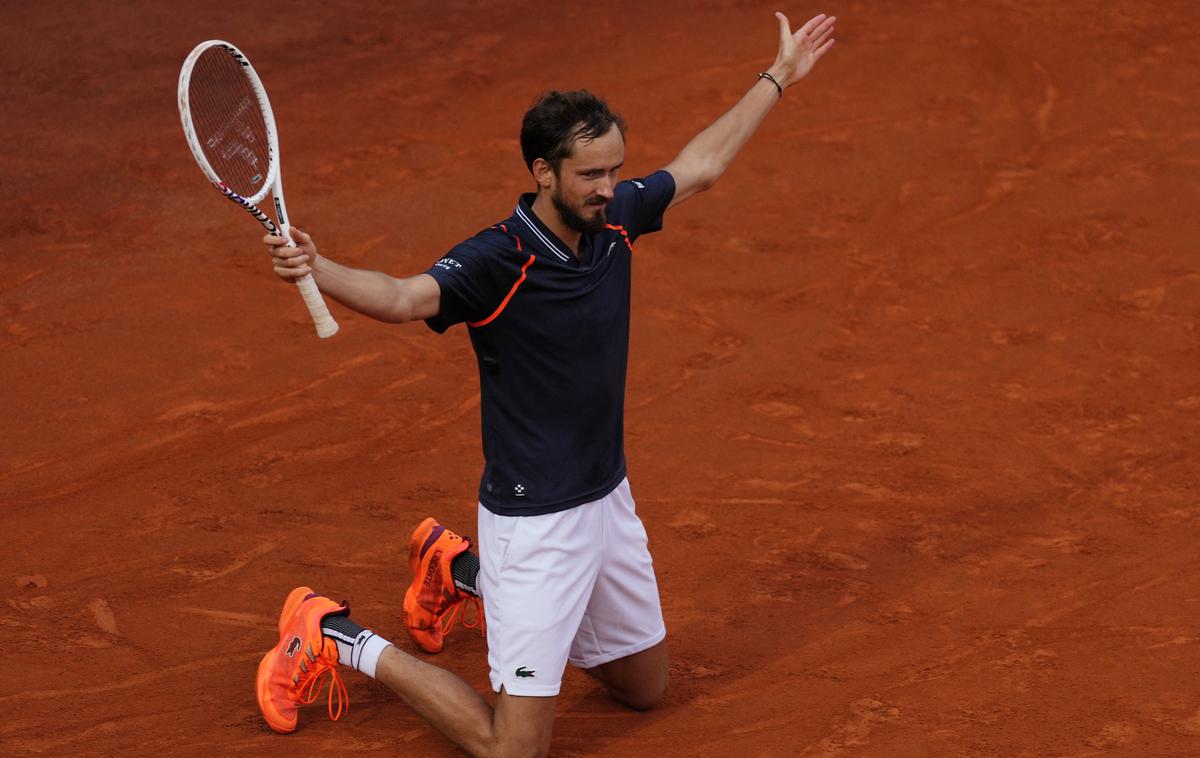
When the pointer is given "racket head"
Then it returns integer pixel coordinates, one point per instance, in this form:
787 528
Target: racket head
228 121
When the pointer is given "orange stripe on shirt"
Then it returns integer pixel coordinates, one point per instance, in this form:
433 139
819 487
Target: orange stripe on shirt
624 234
511 292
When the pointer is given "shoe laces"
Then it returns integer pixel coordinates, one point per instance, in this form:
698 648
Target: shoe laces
310 684
456 613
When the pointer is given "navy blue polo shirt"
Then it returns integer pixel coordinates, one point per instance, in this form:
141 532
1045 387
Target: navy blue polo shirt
551 336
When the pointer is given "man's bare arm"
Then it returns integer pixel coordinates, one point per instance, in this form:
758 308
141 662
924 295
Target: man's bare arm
371 293
701 163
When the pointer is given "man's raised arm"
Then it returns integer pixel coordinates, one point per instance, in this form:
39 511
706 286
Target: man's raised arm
701 163
372 293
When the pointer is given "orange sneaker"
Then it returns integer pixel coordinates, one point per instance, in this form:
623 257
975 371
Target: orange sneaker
290 674
433 602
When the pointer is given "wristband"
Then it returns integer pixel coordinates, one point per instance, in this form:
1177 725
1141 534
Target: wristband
771 79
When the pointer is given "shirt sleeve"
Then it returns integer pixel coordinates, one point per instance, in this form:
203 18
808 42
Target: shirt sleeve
644 201
469 286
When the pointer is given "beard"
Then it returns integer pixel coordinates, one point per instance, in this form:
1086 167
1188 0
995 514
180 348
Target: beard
575 220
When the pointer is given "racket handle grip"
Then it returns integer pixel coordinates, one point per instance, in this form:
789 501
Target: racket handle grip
322 319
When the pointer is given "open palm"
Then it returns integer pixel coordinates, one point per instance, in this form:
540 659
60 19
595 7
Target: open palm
799 51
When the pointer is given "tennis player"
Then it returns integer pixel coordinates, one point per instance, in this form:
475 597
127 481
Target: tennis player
563 569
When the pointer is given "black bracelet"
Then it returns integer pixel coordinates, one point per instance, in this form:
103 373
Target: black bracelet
771 79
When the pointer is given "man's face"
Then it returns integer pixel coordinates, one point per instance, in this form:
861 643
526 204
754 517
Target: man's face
585 180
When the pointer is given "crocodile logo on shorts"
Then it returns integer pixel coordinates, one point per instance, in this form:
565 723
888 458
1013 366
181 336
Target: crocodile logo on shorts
525 673
293 647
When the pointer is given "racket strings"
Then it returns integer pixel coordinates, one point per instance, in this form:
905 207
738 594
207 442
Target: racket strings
228 121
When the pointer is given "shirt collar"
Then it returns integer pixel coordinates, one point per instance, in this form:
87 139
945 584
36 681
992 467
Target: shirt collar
540 236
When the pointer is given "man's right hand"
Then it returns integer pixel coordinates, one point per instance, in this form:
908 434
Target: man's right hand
291 263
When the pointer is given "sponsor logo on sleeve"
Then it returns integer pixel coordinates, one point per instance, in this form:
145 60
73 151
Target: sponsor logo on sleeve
449 264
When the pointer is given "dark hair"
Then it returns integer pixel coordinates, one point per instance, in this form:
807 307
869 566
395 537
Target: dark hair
557 119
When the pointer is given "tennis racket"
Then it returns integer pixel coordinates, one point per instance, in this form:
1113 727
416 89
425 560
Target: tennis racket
230 128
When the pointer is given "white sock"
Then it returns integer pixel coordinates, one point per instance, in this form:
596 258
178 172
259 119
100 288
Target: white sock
364 655
357 647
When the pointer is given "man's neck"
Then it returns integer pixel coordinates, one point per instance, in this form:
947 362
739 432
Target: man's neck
543 208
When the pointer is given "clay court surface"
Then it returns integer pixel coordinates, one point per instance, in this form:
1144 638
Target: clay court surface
913 404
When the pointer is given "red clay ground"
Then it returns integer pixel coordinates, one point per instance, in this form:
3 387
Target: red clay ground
913 405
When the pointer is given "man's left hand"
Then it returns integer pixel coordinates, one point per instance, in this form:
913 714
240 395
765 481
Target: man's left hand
800 51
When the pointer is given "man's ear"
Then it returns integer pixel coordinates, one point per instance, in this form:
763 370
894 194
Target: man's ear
543 173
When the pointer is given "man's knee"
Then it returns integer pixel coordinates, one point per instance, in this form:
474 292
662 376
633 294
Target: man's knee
520 749
638 681
641 701
646 695
522 726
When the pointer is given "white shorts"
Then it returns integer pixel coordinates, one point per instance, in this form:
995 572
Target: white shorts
576 585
